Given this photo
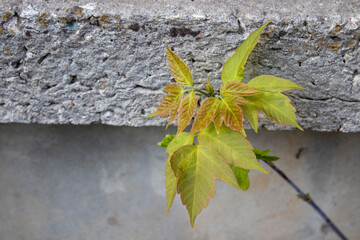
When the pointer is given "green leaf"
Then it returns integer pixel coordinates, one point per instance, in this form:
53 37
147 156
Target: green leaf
236 89
276 106
166 140
241 176
197 167
178 141
263 155
233 69
251 112
272 83
231 145
307 197
179 69
205 114
186 111
171 102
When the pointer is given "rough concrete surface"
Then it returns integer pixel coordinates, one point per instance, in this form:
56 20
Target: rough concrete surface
83 62
104 182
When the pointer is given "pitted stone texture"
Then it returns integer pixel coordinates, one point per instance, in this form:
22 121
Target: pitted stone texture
94 62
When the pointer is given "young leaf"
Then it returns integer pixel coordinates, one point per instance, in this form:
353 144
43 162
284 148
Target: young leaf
233 69
306 198
231 145
251 112
218 119
263 155
197 167
171 102
209 88
272 83
236 89
166 140
205 114
178 141
231 114
241 177
186 111
276 106
179 69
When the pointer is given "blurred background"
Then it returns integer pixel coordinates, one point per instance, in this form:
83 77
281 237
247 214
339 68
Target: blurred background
103 182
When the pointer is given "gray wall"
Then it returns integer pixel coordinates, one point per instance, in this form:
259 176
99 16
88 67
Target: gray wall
73 62
102 182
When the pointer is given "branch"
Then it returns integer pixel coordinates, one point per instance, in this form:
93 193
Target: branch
307 199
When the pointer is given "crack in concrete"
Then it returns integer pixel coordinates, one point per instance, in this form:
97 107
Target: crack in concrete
325 99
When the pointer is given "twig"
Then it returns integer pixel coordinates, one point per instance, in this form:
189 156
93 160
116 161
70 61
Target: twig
307 199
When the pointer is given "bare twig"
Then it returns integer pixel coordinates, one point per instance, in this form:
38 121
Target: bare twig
307 199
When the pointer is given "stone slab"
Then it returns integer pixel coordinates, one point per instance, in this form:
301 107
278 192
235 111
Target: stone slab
83 62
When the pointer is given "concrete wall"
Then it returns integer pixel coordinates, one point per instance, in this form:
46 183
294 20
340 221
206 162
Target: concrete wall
84 62
101 182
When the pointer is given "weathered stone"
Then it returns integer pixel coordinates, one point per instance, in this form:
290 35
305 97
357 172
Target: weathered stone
104 62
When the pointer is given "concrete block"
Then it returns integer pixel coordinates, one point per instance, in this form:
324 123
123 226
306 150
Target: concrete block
83 62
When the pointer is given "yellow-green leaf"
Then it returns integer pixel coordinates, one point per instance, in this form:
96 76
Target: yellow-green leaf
205 114
224 110
179 69
276 106
171 102
218 119
186 111
231 114
231 145
273 84
197 167
178 141
251 112
235 89
170 185
233 69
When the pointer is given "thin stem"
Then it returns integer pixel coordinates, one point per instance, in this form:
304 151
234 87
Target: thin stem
212 94
189 90
308 200
202 92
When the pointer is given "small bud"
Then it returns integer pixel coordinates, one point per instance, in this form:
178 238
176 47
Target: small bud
209 88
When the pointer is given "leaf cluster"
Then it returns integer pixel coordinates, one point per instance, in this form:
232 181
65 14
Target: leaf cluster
221 150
